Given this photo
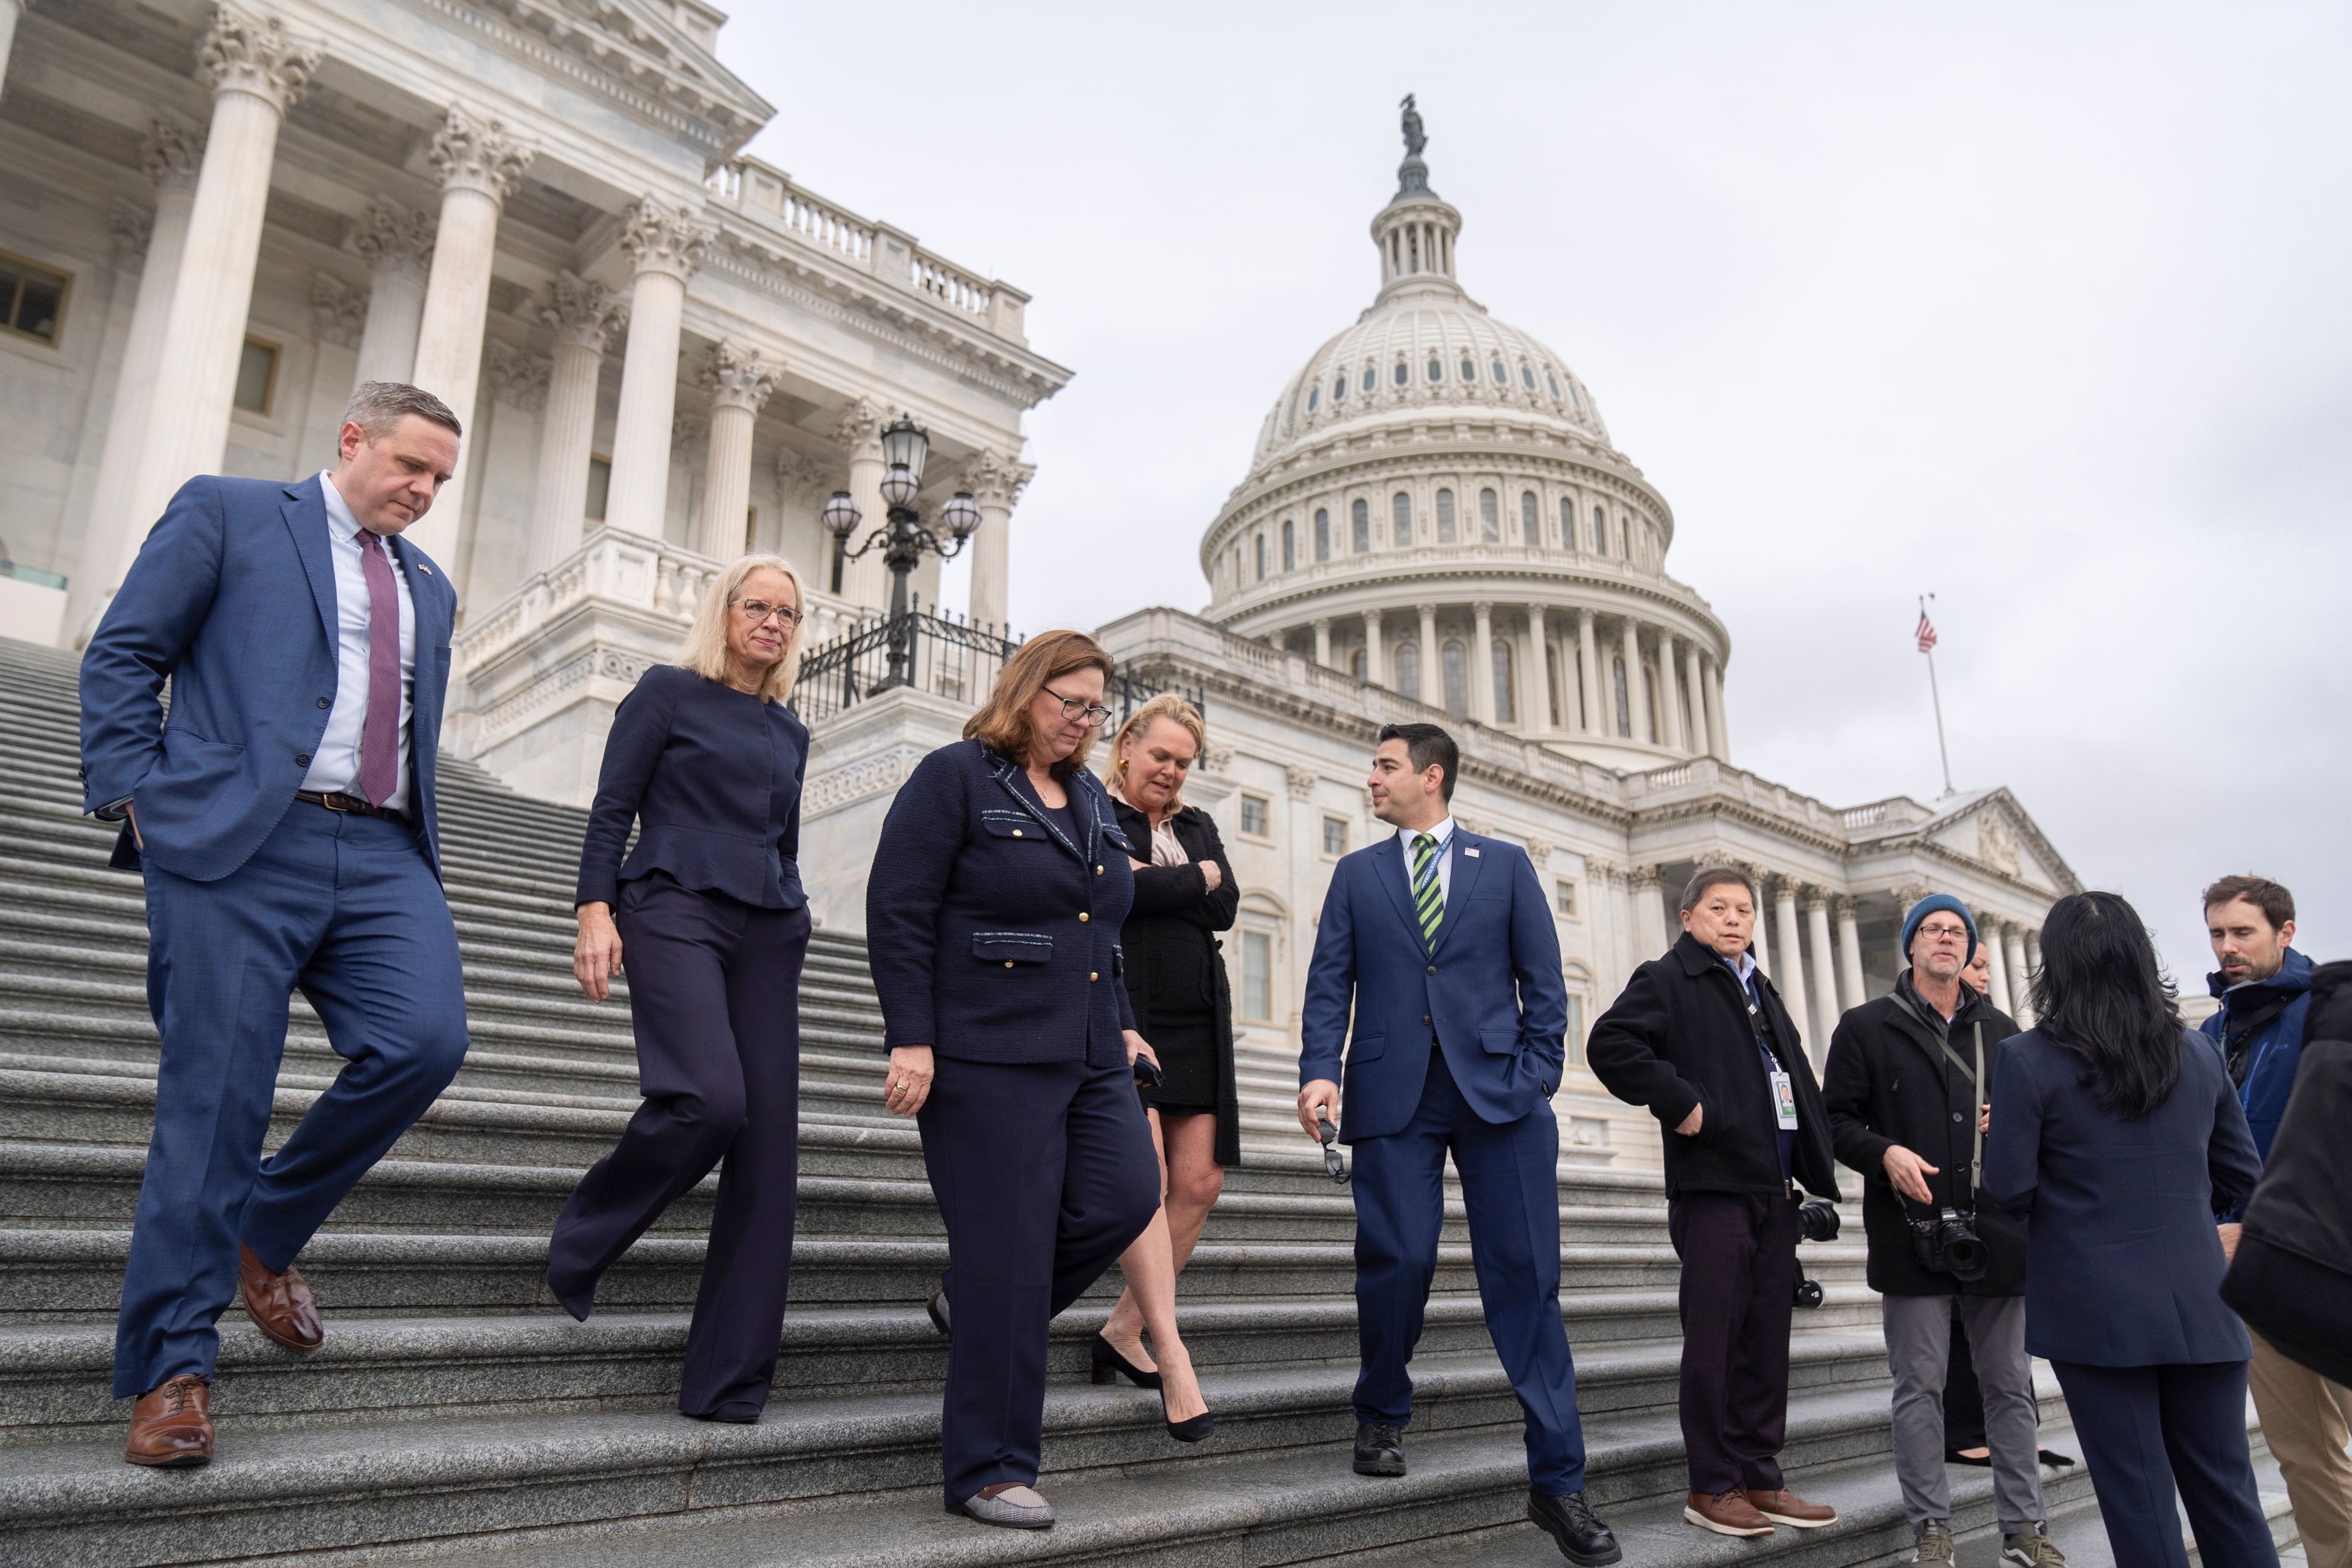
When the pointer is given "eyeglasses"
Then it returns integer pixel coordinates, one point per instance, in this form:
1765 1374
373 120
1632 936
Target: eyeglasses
1945 933
759 610
1335 1164
1092 713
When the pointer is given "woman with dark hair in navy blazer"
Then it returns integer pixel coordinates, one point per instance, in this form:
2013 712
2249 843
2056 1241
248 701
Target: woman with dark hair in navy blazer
993 922
2118 1133
707 761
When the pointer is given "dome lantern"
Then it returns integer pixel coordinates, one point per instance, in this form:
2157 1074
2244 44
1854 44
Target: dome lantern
1415 232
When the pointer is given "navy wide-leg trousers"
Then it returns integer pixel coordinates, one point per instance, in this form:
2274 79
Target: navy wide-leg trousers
1045 1173
2146 1430
347 909
1510 1184
714 996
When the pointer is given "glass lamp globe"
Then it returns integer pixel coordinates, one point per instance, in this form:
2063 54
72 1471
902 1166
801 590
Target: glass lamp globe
963 514
901 485
841 515
905 445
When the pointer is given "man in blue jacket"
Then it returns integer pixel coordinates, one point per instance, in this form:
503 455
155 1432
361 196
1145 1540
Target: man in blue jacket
2264 986
283 818
1441 943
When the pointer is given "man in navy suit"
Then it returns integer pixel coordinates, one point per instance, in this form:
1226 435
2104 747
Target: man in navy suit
283 818
1441 943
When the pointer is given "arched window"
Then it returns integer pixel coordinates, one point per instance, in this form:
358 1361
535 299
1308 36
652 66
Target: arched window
1568 522
1572 398
1314 396
1625 699
1436 371
1496 367
1445 517
1469 370
1551 680
1403 376
1408 670
1555 382
1259 541
1650 699
1339 387
1372 379
1530 519
1490 518
1356 663
1359 520
1322 533
1505 710
1290 545
1401 518
1527 378
1456 662
1599 532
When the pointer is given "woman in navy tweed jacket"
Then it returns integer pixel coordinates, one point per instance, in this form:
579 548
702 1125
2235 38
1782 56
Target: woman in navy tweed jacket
993 919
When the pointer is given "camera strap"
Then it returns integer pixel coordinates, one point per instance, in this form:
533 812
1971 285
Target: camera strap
1975 1096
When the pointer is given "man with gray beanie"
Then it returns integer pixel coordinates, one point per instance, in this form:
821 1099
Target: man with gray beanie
1906 1086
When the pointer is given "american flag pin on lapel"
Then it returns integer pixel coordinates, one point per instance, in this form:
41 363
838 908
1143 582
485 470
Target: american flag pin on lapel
423 568
1466 849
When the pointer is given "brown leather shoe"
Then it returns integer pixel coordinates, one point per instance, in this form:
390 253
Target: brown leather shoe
1785 1507
278 1304
171 1427
1726 1513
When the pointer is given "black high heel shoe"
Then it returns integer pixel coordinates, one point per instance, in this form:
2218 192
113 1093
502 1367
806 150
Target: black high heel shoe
1109 1364
1194 1431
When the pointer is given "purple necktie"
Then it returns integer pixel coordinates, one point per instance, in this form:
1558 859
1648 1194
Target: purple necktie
379 737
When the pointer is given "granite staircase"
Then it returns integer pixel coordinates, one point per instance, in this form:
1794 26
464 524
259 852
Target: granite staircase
456 1414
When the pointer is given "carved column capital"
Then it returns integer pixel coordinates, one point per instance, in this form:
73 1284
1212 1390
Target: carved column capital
800 478
736 377
1540 851
582 312
1815 899
996 480
1301 780
1644 877
659 237
170 152
127 226
476 152
514 377
250 53
338 310
391 238
1845 906
858 429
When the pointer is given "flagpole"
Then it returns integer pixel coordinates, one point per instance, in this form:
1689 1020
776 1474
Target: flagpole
1936 695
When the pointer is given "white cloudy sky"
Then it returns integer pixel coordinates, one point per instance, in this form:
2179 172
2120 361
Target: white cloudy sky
2042 307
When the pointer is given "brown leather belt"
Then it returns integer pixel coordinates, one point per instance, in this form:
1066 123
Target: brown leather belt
355 804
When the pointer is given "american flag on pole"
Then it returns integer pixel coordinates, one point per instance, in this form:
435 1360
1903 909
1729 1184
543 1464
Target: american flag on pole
1927 632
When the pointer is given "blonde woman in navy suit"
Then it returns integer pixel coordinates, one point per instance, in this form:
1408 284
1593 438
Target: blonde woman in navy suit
706 761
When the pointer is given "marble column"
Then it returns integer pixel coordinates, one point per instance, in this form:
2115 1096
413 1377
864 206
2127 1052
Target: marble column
1759 941
1790 976
1589 684
1718 726
739 382
397 245
480 162
1824 976
1849 951
996 480
1432 674
338 315
9 11
1534 685
1988 932
2033 950
1637 693
1699 720
1649 916
1376 652
582 316
2020 978
1323 641
257 69
1482 663
1670 709
171 153
864 582
665 245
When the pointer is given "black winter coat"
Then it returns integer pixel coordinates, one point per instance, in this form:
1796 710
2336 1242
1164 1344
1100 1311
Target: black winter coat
1174 966
1886 1082
1677 1037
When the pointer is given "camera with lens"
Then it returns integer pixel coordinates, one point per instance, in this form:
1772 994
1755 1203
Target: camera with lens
1948 1243
1817 1220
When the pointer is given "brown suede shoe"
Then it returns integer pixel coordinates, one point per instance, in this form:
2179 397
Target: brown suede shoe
171 1427
1726 1513
278 1304
1785 1507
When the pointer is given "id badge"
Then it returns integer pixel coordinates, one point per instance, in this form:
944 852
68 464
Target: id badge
1784 1101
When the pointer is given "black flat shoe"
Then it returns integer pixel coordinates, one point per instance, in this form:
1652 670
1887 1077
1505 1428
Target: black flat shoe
1380 1449
1577 1532
1192 1431
737 1415
937 1307
1954 1457
2055 1460
1109 1364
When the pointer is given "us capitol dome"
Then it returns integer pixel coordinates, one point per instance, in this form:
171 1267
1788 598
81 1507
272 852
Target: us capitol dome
1434 505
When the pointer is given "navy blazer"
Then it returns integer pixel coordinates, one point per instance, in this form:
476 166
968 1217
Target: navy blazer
232 599
993 936
1489 990
712 776
2122 1262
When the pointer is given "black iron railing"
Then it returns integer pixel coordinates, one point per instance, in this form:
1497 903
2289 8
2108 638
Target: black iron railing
940 654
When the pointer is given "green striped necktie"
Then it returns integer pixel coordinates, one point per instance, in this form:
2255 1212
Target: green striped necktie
1428 901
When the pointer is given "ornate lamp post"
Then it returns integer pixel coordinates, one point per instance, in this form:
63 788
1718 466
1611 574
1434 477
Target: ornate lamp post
904 539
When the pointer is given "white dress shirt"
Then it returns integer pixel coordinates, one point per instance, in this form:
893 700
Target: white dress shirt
1443 834
335 761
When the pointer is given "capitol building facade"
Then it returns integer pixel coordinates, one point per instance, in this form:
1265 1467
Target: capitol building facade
220 217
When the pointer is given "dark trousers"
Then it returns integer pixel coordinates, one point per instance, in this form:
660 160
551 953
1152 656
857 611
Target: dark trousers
2146 1430
346 908
1044 1173
1964 1412
1510 1184
714 994
1738 1287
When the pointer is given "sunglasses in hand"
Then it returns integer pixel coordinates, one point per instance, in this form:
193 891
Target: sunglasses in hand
1335 1164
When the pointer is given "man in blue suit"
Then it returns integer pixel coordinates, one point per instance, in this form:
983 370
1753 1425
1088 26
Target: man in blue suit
1441 943
283 818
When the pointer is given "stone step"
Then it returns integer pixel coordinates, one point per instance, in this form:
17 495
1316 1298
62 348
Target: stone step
856 1480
